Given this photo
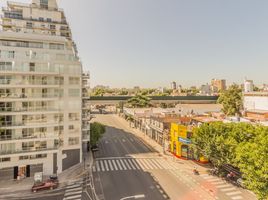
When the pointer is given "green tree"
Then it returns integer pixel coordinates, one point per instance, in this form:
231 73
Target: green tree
139 101
252 159
231 100
241 145
96 132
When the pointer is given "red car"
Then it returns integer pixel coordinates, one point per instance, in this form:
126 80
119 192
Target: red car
45 186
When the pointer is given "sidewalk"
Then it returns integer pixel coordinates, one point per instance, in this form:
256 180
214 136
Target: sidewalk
188 164
23 187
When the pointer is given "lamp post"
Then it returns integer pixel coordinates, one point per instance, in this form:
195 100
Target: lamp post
138 196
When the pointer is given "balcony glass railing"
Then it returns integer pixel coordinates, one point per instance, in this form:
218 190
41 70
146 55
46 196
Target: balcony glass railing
29 109
31 136
27 150
35 95
17 82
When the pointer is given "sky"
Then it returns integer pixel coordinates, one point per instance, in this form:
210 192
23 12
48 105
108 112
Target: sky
150 43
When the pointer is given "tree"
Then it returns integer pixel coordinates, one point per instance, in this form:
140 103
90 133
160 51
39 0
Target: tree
241 145
252 159
231 100
139 101
96 132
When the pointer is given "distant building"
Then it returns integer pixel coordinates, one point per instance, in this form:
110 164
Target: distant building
248 86
173 85
218 84
205 89
256 105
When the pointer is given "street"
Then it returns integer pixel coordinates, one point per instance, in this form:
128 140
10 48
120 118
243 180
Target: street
127 167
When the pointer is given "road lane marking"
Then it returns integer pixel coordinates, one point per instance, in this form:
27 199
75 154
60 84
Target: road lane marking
118 163
157 164
136 164
115 166
222 186
74 189
110 165
153 164
127 165
72 186
72 193
102 165
123 164
94 168
236 197
149 164
228 189
106 165
143 167
98 166
233 193
131 164
73 197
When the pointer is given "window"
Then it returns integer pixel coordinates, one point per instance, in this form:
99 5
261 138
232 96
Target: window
74 80
5 159
52 27
49 20
29 25
56 46
74 92
44 4
73 141
41 19
71 127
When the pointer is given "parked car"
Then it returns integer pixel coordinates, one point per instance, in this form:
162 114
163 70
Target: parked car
53 178
47 185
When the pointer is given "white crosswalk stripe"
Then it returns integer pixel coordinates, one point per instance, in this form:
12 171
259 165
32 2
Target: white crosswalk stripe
236 197
73 190
115 164
131 164
123 164
110 165
106 165
233 193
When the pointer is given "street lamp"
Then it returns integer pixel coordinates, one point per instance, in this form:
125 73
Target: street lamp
138 196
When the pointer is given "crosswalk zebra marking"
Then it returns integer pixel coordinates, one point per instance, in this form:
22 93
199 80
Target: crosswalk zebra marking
110 165
124 166
222 186
233 193
148 164
157 164
228 189
136 164
126 163
141 164
236 197
106 165
102 165
115 166
131 164
119 165
98 166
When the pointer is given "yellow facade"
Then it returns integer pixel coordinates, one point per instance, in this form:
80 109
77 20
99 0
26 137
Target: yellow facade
179 148
180 142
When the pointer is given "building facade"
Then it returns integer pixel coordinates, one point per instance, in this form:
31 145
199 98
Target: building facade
40 91
218 85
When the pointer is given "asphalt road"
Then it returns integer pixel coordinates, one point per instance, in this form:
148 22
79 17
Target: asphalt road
126 166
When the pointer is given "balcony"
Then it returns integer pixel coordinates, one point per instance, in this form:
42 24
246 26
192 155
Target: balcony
29 109
28 150
41 136
20 96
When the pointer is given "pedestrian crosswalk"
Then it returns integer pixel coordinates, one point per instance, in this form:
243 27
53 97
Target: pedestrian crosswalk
229 190
73 190
121 164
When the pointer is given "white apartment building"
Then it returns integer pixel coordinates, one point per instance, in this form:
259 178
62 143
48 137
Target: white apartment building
256 101
40 92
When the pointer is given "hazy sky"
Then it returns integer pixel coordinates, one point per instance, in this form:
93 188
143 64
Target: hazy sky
153 42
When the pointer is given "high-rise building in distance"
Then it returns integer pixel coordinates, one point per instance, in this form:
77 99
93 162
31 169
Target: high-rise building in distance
40 91
218 85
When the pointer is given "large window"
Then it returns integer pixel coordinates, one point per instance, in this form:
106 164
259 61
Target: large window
73 140
44 4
